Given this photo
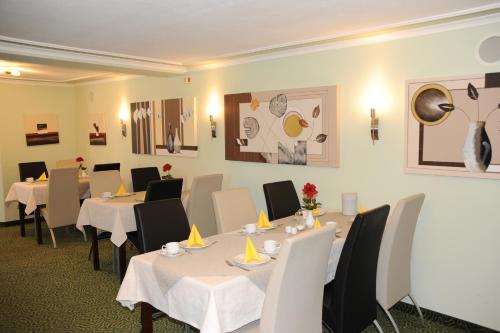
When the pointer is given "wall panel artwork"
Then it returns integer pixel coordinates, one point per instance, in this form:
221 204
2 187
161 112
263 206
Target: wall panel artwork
295 126
41 129
165 127
453 126
97 129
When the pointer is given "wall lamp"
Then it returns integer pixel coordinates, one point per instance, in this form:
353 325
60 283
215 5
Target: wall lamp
123 120
213 126
374 126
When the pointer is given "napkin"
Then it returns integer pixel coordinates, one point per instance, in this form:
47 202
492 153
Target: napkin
263 222
317 224
42 177
121 191
250 253
362 210
315 211
195 238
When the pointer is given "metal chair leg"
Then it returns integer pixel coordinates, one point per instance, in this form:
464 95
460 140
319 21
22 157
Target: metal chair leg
53 237
418 308
377 326
187 328
391 319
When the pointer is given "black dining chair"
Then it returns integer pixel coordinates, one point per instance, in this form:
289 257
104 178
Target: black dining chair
106 167
164 189
281 199
142 176
349 301
27 170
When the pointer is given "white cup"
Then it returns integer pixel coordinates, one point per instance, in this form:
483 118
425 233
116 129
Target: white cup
294 230
300 227
30 179
172 247
106 194
251 228
270 246
288 229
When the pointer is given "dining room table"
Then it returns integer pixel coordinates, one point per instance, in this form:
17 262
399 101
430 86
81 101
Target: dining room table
115 215
34 195
205 288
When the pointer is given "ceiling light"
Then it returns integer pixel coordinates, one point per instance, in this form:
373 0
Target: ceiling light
13 72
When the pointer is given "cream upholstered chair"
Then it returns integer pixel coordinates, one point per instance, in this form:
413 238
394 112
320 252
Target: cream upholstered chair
394 261
200 208
233 209
63 204
294 295
67 164
104 181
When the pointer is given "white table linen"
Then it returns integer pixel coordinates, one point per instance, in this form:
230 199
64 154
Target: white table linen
212 303
37 193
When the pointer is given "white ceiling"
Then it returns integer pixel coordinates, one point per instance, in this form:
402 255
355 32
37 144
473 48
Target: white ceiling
189 31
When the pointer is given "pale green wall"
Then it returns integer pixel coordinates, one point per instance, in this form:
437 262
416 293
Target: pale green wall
17 99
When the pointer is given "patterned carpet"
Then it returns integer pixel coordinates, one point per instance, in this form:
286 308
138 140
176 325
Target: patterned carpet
56 290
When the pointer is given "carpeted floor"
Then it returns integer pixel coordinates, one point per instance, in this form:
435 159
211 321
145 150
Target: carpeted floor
56 290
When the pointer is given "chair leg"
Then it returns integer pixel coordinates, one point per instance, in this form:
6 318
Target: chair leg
391 319
377 326
187 328
84 235
53 237
418 308
90 252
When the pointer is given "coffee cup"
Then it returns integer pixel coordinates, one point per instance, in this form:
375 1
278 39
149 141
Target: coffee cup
251 228
288 229
270 246
106 194
293 231
30 180
172 247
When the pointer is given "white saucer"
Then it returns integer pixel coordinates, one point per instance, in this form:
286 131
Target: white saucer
122 195
239 260
183 245
180 253
263 250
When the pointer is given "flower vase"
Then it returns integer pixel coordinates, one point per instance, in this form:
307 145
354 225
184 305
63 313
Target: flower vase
477 147
309 218
177 142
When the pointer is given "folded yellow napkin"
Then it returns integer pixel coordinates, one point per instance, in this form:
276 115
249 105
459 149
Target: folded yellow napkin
315 211
42 177
362 210
251 255
317 224
195 238
121 190
263 222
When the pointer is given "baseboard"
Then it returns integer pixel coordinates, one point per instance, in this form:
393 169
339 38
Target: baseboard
444 319
15 222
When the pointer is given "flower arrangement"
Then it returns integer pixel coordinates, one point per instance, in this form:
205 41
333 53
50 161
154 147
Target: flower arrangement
80 160
166 168
309 196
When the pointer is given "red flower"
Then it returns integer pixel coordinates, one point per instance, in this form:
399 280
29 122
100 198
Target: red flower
167 167
79 159
309 190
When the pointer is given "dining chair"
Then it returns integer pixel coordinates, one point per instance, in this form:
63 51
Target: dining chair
104 181
394 261
281 199
142 176
63 204
67 164
349 303
200 207
294 293
233 209
107 167
164 189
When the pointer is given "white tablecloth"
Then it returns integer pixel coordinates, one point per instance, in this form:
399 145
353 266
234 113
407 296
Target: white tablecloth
114 215
37 193
212 303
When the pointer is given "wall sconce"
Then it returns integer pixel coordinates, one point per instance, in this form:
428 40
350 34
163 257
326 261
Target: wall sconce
123 119
124 128
213 126
374 126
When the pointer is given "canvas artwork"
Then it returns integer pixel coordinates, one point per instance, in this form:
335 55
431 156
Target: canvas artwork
41 129
165 127
97 129
453 126
295 126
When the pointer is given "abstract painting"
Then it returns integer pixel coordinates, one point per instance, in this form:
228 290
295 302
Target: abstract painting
165 127
453 126
41 129
294 126
97 129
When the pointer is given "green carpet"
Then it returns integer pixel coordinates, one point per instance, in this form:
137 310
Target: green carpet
56 290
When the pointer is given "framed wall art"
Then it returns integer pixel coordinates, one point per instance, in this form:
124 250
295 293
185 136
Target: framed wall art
97 129
41 129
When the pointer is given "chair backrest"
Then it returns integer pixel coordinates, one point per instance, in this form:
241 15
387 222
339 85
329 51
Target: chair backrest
394 261
233 209
164 189
142 176
67 164
159 222
294 295
281 199
104 181
350 303
63 203
200 208
107 167
32 169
